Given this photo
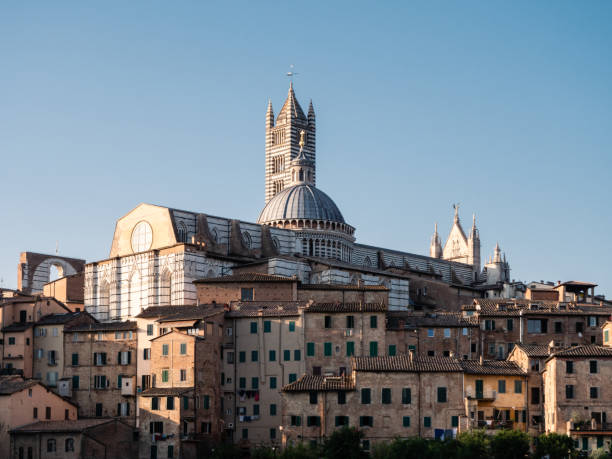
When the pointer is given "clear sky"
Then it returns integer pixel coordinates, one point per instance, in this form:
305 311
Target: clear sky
504 107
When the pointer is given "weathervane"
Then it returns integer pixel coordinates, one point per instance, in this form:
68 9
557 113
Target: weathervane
291 73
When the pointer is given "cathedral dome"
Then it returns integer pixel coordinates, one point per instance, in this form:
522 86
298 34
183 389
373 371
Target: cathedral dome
301 201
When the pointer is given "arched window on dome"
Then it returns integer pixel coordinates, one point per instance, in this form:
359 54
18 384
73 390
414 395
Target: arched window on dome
301 175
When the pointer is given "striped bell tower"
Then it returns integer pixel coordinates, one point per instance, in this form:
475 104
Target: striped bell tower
283 137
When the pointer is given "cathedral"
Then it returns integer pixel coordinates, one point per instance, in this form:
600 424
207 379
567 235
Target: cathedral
157 252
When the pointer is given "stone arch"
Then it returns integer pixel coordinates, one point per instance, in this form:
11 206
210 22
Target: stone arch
182 232
246 237
134 305
35 270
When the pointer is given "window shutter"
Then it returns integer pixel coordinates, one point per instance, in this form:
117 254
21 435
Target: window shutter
95 358
104 358
119 362
129 357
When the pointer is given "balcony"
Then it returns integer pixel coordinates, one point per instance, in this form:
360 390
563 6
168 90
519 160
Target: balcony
485 395
586 428
491 424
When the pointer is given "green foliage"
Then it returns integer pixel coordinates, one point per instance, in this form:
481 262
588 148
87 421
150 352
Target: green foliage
509 444
600 453
473 444
344 443
555 445
225 451
299 451
263 453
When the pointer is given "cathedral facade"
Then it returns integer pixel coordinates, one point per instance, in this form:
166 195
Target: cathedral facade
157 252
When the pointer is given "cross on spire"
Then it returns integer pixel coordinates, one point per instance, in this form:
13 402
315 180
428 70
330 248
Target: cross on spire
291 73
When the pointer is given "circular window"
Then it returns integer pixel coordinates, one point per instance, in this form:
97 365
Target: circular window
142 236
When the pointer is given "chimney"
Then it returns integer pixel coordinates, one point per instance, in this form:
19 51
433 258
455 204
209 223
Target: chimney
411 355
451 354
481 360
551 346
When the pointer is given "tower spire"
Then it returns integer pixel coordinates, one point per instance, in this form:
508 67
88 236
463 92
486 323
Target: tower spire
435 248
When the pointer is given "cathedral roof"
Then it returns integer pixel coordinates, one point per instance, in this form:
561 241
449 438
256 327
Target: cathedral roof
291 107
301 202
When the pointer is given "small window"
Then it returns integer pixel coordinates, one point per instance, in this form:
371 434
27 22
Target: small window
569 367
170 451
328 321
350 322
165 375
267 326
366 421
569 391
242 383
373 322
297 355
427 421
501 386
242 356
273 409
593 366
392 349
442 395
291 326
246 294
75 359
366 396
594 392
292 377
253 327
386 396
341 421
310 349
254 356
51 448
350 348
255 383
373 349
165 349
296 420
183 348
510 324
327 349
169 403
150 330
518 387
406 421
341 398
272 356
272 382
447 333
430 333
406 396
286 355
313 398
454 421
183 375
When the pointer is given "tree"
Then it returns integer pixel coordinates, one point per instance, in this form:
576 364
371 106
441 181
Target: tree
510 444
344 443
299 451
554 445
473 444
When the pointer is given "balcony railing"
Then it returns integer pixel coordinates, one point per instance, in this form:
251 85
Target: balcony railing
491 424
592 427
482 395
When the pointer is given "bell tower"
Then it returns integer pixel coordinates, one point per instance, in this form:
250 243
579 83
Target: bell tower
291 133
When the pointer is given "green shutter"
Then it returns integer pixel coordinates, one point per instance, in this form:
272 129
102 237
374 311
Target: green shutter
272 356
253 327
267 326
75 382
273 409
406 396
292 326
392 349
386 395
310 349
254 356
327 349
373 322
286 355
255 383
297 355
292 377
272 382
350 348
454 421
373 349
427 421
206 402
406 421
183 348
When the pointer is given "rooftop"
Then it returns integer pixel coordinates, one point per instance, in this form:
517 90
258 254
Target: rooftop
347 307
492 367
77 425
320 383
104 326
185 312
433 319
245 277
11 384
164 391
53 319
584 350
17 327
342 287
404 363
265 308
534 350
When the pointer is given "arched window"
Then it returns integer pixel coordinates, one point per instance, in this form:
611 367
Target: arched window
165 288
51 445
56 271
276 243
69 444
367 262
211 273
215 235
182 232
301 175
246 237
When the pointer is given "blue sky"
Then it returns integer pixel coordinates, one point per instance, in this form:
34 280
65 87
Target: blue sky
505 107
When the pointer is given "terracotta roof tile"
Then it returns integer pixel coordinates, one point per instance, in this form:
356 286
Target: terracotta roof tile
59 318
265 308
534 350
491 367
77 425
513 307
403 363
11 384
17 327
381 288
347 307
104 326
437 319
164 391
245 277
320 383
584 350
